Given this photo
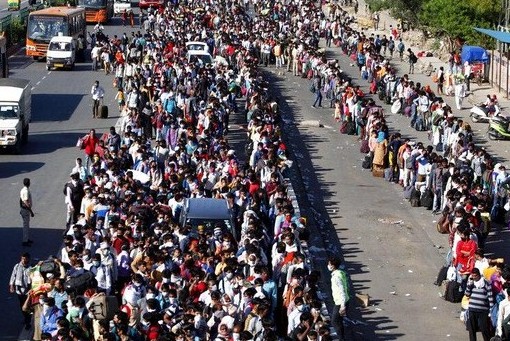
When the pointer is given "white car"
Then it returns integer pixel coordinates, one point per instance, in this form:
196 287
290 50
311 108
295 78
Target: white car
197 46
120 6
203 57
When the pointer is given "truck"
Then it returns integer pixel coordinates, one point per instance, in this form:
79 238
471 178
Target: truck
15 112
61 53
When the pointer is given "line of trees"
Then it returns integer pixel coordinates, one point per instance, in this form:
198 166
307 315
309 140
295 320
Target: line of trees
450 19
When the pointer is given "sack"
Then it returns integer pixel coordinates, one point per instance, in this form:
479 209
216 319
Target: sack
437 120
407 192
103 307
312 88
80 143
434 78
364 148
395 107
309 75
367 162
79 284
443 225
453 291
415 197
362 300
427 199
388 174
378 172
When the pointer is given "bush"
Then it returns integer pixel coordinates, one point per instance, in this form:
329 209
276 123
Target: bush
18 31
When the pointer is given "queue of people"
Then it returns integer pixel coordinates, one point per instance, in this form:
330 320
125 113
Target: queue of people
129 269
449 174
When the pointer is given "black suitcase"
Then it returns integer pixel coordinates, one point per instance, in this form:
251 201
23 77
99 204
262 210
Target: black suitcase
104 111
79 284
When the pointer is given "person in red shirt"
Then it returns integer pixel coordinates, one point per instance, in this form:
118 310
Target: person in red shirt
90 142
197 285
465 253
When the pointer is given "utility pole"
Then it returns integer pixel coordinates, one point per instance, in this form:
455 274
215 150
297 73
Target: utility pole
504 16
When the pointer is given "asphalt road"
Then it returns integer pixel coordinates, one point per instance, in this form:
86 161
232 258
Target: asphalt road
61 113
392 250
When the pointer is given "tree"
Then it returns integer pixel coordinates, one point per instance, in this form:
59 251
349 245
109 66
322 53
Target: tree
456 19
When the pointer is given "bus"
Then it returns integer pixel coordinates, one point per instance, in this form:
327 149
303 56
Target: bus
97 10
50 22
4 70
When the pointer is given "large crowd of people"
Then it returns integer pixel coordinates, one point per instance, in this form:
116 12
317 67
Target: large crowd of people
130 268
163 279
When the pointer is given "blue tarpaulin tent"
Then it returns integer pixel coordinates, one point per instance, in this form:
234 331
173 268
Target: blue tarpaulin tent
474 54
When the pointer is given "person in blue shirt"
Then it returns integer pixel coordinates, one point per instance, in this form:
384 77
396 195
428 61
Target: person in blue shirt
50 316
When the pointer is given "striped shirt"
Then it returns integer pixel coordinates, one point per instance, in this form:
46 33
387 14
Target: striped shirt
480 299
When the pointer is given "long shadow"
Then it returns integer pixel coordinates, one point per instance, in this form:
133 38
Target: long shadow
54 107
45 243
305 177
48 142
10 169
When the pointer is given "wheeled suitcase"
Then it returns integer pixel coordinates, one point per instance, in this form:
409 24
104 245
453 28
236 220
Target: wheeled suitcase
104 111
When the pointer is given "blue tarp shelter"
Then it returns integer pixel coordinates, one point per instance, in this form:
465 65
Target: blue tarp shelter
474 54
496 62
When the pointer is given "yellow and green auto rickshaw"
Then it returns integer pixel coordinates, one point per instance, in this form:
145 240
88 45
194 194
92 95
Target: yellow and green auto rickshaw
13 5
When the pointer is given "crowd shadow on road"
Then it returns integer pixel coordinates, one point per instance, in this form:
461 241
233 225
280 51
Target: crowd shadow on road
9 169
320 204
54 107
45 243
45 143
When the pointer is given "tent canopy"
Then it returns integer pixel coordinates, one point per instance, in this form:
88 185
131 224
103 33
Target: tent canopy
501 36
474 54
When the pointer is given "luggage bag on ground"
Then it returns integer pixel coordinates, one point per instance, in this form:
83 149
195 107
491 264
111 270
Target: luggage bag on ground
104 111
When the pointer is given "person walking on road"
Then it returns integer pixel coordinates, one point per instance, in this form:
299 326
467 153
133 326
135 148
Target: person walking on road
317 85
25 203
341 296
20 283
97 93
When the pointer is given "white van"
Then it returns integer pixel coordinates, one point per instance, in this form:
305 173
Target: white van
61 53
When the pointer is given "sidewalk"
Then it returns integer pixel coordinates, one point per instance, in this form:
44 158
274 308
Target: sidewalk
499 149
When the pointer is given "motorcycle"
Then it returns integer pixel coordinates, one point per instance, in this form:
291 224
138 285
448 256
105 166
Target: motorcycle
482 113
498 130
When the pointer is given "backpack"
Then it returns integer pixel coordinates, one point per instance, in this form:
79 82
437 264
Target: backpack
401 47
443 224
367 162
391 45
49 267
453 292
413 58
79 284
427 199
407 192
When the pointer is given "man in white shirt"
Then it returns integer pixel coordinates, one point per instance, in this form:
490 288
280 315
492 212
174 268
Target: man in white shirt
97 93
